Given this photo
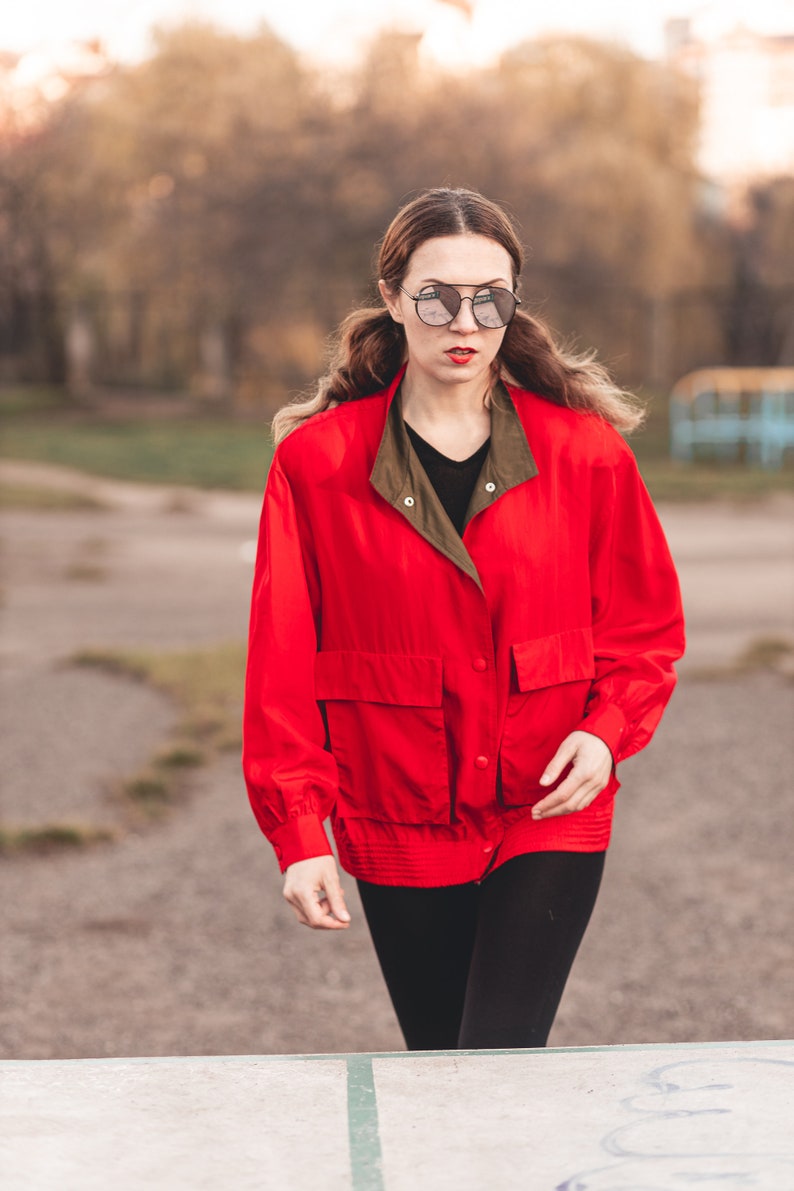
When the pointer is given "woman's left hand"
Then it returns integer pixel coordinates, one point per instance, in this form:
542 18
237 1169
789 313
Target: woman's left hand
591 766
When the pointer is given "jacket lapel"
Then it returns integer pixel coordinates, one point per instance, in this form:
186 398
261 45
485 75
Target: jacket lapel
509 461
401 480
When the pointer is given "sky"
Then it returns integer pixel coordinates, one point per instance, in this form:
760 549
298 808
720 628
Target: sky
333 30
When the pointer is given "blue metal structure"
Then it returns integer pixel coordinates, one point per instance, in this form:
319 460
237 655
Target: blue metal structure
736 414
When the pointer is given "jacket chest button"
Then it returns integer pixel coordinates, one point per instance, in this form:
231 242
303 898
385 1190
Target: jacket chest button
490 486
481 762
479 664
409 502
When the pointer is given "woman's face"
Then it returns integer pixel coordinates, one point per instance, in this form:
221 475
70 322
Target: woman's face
462 351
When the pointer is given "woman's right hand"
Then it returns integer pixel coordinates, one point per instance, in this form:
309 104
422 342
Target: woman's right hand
312 889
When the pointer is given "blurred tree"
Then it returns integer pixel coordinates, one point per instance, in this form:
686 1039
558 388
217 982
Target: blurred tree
178 149
610 147
28 271
761 315
205 217
590 146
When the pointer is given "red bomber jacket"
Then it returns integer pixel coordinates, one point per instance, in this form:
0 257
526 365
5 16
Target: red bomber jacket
412 684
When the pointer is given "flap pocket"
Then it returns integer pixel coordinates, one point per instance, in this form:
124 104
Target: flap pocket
548 661
378 678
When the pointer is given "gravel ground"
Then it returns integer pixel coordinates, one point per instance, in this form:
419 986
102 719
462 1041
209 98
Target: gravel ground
175 940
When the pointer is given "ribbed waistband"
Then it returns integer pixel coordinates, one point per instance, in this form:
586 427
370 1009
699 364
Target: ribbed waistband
423 856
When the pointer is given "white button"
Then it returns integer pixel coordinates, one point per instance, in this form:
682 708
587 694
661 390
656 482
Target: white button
409 501
490 486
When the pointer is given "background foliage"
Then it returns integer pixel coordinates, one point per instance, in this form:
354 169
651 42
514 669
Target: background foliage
202 220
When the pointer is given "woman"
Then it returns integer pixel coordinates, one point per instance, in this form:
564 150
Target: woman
464 616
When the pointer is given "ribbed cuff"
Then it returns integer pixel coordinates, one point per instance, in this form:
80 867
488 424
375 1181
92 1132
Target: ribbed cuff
608 723
300 839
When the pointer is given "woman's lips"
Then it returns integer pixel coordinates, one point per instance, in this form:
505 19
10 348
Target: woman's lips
461 355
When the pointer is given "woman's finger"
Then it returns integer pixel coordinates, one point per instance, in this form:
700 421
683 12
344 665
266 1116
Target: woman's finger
313 890
564 755
336 904
590 769
577 801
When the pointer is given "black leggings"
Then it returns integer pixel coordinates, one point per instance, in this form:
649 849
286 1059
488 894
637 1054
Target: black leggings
483 966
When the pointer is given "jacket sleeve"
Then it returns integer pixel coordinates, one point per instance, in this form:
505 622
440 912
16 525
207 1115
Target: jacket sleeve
291 778
638 627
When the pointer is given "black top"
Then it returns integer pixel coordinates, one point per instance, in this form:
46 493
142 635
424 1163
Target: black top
453 479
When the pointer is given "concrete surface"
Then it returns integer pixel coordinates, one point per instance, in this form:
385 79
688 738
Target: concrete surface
175 940
736 566
190 554
637 1118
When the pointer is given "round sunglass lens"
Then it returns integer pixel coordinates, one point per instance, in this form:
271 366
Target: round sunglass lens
494 307
438 306
450 299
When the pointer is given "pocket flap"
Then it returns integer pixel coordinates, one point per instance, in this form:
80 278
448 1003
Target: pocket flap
547 661
378 678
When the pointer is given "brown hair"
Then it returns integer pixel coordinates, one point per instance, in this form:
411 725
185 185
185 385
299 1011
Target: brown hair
370 347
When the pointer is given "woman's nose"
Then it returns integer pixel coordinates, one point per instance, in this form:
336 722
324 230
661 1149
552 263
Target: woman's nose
464 320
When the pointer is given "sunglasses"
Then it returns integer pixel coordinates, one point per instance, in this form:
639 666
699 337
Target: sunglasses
437 305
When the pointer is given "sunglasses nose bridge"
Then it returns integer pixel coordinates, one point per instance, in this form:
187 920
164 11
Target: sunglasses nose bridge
456 316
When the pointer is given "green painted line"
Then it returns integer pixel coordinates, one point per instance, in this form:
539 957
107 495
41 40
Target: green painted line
366 1161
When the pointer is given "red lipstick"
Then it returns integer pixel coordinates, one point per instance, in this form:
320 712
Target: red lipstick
460 355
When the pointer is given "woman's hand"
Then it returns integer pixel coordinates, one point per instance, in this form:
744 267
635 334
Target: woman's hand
312 889
591 766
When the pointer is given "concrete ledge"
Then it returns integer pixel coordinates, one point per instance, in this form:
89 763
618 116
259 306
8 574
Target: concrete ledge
596 1119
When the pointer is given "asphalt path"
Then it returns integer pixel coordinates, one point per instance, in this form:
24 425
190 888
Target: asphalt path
175 940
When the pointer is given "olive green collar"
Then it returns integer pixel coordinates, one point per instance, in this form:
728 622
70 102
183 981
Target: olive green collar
400 478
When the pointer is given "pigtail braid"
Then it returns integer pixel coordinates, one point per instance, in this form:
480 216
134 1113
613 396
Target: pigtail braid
369 350
531 358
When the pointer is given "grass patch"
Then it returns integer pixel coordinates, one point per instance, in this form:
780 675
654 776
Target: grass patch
199 453
87 566
28 400
180 757
764 653
85 572
226 453
149 790
670 480
207 686
47 500
694 482
51 837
